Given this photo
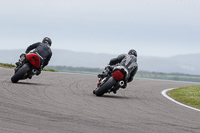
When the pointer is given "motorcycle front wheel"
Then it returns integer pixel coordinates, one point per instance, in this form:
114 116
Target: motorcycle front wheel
20 73
105 87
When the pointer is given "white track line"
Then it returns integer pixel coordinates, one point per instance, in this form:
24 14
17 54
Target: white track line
164 93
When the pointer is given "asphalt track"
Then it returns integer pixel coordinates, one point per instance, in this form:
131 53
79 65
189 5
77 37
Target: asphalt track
64 103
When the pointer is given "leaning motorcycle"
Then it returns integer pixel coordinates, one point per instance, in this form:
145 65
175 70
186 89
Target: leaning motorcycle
27 67
111 83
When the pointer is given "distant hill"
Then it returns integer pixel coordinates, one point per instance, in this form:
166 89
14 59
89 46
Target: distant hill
187 64
63 58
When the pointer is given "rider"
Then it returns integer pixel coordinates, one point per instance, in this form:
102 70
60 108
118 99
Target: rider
43 50
129 61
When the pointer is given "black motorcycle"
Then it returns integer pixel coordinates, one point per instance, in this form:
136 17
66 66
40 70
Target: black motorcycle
115 80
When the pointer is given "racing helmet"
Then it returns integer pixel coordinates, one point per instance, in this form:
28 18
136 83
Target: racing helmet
132 52
47 40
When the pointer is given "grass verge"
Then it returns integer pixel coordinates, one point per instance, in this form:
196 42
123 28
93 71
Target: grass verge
50 70
5 65
189 95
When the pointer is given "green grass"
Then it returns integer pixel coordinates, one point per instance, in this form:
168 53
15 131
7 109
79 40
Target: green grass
84 70
168 76
13 66
7 65
188 95
50 70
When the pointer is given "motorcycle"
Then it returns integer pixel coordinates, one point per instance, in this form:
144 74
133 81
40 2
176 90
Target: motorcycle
115 80
27 66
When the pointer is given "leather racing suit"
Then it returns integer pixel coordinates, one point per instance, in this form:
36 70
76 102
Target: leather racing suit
43 50
126 60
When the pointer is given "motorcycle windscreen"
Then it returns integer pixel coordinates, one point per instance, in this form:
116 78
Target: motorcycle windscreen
33 59
118 75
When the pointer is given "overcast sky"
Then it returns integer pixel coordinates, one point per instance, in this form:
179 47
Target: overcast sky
152 27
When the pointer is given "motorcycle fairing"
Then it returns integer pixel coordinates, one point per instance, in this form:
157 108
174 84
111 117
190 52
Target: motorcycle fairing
118 75
33 59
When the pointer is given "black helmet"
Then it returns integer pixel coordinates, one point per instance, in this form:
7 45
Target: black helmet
132 52
47 40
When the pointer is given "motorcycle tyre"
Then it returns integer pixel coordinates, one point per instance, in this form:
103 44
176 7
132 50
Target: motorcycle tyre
105 87
20 73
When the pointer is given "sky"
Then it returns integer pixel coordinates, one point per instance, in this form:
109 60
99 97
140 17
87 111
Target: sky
152 27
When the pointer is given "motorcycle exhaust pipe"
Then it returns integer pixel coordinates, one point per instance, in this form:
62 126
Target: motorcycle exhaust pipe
34 71
121 83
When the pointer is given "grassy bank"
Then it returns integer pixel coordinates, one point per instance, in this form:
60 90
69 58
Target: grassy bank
5 65
139 74
50 70
187 95
84 70
168 76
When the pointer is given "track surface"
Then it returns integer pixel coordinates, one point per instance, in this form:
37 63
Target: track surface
64 103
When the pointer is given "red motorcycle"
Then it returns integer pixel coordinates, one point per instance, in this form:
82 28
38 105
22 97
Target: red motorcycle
111 83
27 66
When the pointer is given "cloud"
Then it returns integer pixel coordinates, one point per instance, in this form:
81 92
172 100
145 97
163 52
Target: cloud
78 24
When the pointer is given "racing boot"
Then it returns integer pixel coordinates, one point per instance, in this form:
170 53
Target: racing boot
105 73
38 71
102 75
17 63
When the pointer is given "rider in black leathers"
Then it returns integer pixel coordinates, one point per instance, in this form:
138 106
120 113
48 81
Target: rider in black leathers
43 50
127 60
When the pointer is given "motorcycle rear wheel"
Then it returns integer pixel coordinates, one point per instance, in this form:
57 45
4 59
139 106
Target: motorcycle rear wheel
105 87
20 73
